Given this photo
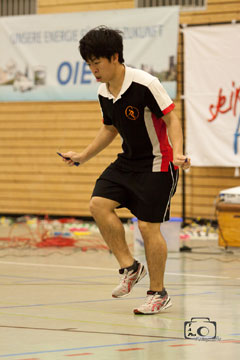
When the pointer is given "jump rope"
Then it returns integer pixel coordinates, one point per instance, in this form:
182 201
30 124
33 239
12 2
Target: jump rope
67 158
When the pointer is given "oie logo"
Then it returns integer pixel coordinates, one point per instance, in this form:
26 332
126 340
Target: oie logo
131 112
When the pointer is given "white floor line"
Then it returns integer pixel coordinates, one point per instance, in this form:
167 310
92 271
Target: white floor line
108 269
57 266
196 275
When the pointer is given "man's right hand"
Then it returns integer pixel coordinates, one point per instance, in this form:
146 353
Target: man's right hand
71 157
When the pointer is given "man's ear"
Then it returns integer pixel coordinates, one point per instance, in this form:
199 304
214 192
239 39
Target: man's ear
115 57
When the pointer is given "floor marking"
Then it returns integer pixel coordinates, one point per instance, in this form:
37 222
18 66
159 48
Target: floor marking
78 279
87 347
229 341
92 332
70 302
58 266
191 294
131 349
108 269
198 275
79 354
182 345
28 279
83 322
98 300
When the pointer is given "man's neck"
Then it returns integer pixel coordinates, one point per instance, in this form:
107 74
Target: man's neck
115 85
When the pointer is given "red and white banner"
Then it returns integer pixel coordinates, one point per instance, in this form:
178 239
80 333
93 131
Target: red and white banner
212 94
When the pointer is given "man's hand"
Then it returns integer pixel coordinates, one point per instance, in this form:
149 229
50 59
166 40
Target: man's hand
71 157
182 161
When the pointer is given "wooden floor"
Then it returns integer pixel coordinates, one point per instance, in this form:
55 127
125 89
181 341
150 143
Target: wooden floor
57 307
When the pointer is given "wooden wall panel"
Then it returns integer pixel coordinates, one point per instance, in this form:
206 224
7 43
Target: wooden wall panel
61 6
33 179
216 11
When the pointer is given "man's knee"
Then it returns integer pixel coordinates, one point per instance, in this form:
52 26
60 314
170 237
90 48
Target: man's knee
95 205
100 205
147 227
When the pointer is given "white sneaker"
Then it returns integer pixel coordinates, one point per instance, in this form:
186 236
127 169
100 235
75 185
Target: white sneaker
154 304
128 280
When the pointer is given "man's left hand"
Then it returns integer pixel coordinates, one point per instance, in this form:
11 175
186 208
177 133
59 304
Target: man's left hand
182 161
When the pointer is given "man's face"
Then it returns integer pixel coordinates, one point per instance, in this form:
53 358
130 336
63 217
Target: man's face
102 68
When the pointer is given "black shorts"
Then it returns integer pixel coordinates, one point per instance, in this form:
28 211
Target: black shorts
146 195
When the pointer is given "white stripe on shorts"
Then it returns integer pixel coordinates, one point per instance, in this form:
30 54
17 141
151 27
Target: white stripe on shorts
174 184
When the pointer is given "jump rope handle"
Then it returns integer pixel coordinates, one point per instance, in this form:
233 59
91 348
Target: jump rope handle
67 158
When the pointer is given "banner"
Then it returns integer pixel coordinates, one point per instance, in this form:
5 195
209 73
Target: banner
40 60
212 94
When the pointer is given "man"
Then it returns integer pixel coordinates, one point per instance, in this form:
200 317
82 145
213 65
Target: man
144 176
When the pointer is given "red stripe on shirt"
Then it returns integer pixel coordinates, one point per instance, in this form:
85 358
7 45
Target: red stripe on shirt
168 109
165 148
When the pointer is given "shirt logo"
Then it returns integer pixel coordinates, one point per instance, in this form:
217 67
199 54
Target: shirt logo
131 112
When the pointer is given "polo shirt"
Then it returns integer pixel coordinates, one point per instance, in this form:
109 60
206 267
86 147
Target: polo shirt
137 115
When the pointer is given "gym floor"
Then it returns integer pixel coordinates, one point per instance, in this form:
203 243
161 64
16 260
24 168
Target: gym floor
57 307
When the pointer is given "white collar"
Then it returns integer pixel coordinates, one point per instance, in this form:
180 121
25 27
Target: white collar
128 78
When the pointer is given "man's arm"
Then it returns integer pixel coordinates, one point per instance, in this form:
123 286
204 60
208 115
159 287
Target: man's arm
176 137
105 136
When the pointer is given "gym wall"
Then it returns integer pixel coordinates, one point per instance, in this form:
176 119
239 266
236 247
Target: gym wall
35 181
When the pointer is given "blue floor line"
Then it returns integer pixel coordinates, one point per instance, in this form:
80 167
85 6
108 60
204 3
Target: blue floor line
94 301
87 347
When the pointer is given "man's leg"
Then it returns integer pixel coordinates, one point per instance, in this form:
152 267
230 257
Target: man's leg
111 228
156 253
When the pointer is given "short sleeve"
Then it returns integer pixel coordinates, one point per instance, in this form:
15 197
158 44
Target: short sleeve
158 100
105 113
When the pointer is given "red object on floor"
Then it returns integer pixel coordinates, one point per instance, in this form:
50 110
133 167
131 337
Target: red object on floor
66 220
57 241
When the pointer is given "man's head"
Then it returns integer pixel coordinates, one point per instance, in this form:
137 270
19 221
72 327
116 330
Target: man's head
101 42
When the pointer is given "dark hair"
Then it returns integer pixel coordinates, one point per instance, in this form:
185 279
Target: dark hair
101 42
